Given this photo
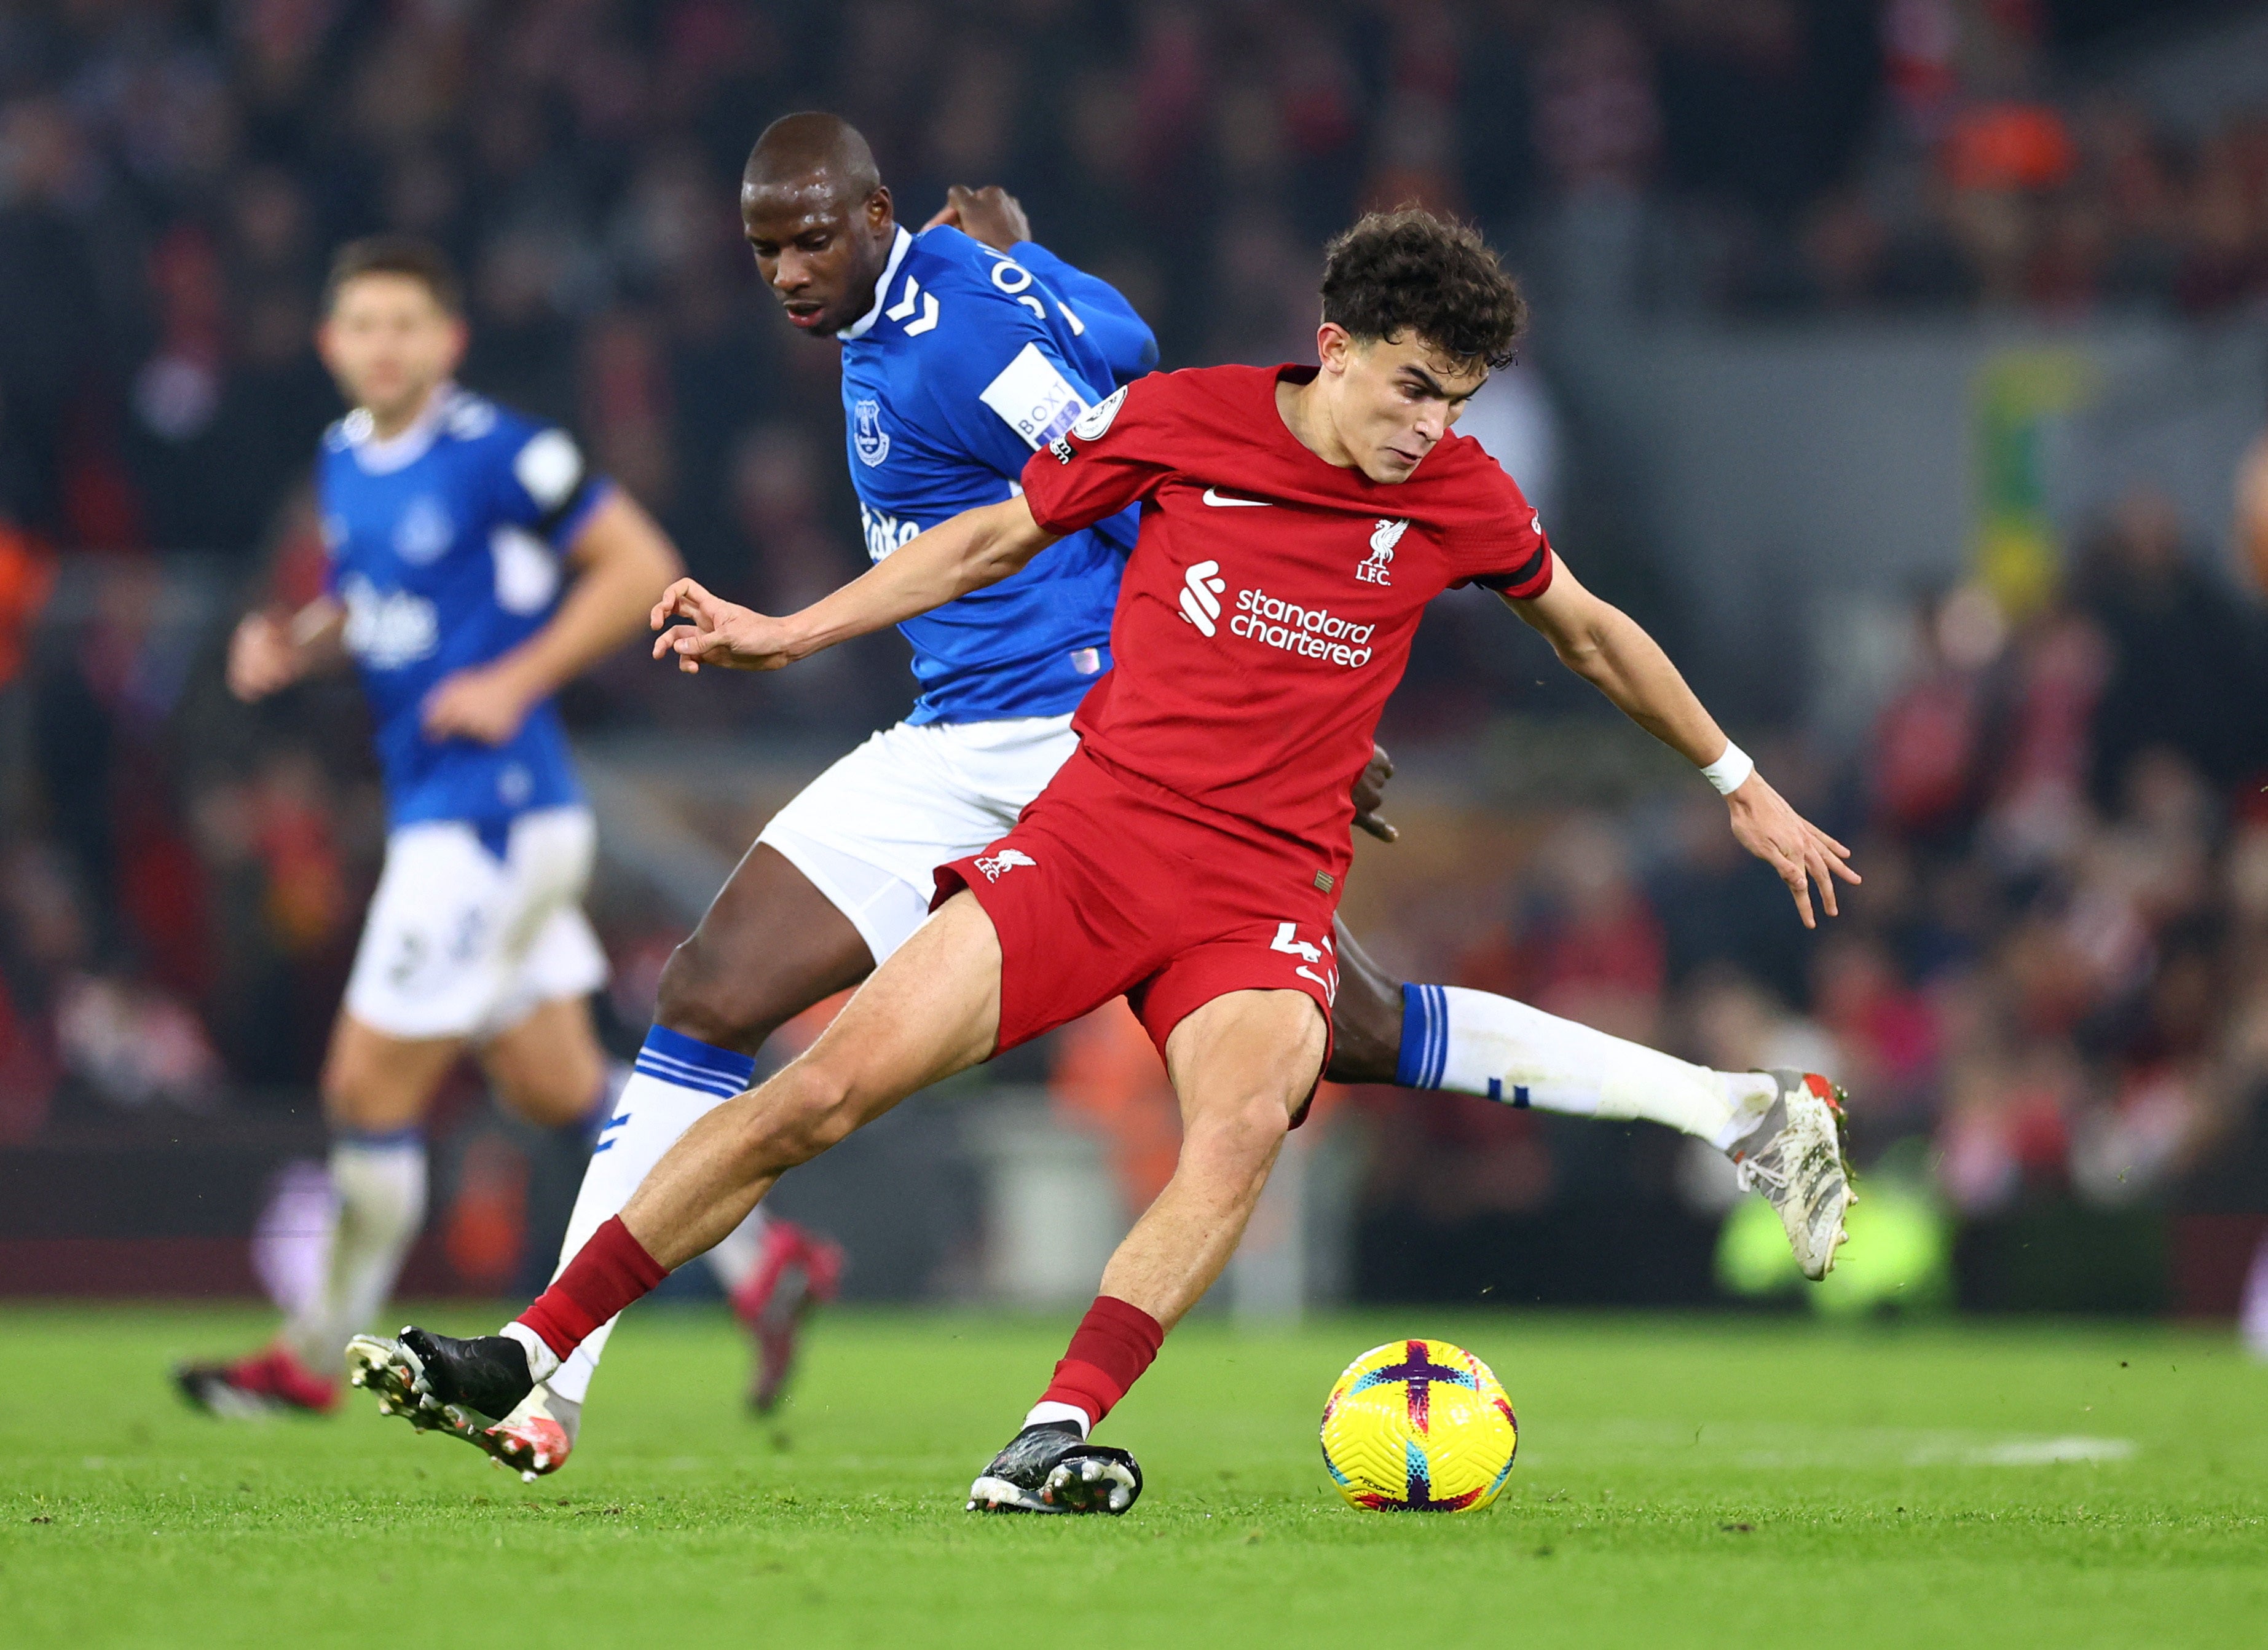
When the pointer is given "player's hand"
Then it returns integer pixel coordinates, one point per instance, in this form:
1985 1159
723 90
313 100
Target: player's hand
990 215
261 660
1370 791
486 704
1781 838
716 632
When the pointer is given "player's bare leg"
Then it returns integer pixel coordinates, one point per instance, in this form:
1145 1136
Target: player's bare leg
1365 1015
376 1091
1243 1065
931 1010
770 946
547 1068
1782 1130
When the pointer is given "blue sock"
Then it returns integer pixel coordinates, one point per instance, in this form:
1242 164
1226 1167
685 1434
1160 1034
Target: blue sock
1425 1037
682 1062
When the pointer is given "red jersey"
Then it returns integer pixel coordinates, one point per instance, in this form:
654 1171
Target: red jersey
1270 602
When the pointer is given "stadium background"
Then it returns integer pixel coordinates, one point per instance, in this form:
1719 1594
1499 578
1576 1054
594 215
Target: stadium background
1893 362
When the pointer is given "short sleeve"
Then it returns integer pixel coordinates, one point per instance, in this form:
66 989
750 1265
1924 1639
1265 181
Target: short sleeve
1003 391
546 486
1112 456
1495 536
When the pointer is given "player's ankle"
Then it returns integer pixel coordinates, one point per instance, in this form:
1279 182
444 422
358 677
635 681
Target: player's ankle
1750 1095
1048 1412
1114 1344
542 1362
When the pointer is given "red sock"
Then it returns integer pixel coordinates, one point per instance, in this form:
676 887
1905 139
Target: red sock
606 1274
1112 1345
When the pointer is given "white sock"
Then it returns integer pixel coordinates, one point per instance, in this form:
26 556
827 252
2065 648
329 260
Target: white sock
1472 1042
676 1082
1041 1413
379 1184
734 1260
542 1362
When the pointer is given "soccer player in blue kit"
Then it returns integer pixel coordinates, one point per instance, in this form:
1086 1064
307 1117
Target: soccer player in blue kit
476 566
965 348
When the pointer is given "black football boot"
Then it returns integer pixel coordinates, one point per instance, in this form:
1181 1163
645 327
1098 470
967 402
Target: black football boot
1048 1468
423 1375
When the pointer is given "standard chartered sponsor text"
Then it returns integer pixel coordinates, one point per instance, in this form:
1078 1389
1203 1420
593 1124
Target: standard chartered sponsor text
1309 632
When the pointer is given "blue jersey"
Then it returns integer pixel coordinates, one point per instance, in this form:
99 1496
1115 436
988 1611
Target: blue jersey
446 544
969 361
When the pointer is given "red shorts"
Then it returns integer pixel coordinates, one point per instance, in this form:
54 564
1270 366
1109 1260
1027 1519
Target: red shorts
1107 887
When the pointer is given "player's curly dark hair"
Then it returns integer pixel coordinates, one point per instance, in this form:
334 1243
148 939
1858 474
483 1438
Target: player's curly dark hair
1410 271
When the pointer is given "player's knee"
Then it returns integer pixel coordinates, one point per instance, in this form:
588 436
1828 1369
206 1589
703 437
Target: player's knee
1245 1131
703 997
1366 1023
555 1097
353 1096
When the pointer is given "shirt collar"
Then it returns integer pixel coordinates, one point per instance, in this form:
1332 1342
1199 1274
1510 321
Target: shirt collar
377 457
865 324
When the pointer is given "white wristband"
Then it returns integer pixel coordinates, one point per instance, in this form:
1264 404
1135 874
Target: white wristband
1730 771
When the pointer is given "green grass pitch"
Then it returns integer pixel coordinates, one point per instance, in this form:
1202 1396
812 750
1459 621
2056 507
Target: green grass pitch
1681 1482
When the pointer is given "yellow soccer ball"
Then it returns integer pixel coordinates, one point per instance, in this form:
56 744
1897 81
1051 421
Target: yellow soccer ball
1418 1427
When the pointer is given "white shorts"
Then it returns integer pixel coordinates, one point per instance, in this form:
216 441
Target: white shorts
871 831
461 944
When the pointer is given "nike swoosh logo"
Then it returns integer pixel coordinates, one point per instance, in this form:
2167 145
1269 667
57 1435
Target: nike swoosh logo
1212 497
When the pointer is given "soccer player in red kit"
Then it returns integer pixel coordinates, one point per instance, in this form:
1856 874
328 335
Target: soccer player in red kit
1294 523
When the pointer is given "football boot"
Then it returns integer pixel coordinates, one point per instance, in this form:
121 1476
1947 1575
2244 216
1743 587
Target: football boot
534 1440
439 1383
796 1270
272 1382
1048 1468
1795 1157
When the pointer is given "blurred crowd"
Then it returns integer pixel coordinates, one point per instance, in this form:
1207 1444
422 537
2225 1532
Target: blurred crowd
2054 980
172 174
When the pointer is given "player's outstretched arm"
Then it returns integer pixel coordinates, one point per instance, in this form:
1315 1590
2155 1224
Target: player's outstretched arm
1607 649
269 652
621 557
974 549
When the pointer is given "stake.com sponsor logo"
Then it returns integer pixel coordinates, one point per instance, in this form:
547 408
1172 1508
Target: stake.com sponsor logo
1309 632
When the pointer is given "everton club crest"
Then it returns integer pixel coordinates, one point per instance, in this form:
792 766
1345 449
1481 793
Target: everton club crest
867 435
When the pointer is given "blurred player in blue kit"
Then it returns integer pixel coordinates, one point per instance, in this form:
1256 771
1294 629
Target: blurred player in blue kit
965 348
476 565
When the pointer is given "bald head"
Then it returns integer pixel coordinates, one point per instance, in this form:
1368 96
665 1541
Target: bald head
818 218
799 150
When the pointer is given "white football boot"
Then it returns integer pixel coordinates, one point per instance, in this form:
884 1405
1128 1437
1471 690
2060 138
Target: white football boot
1794 1156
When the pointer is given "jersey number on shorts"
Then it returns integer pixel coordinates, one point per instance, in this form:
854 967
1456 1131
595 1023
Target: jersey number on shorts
1287 940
